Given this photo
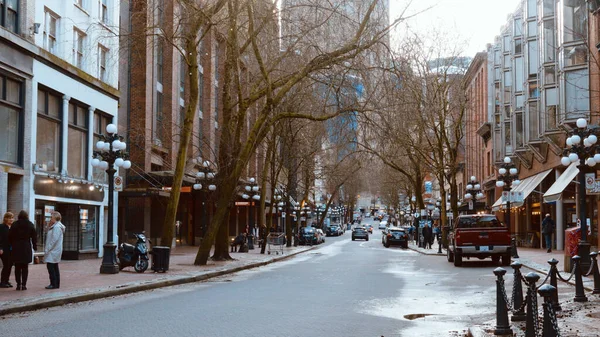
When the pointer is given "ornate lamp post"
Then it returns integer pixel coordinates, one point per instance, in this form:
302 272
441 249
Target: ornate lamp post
204 177
277 197
319 212
110 153
508 178
473 191
252 194
297 213
582 148
306 211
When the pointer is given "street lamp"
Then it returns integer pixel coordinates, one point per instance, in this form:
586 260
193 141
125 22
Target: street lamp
252 194
204 177
306 212
279 208
473 191
319 212
581 146
110 153
297 213
508 178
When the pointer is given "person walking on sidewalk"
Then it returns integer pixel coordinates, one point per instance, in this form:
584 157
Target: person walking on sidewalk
427 236
23 241
5 253
53 249
548 228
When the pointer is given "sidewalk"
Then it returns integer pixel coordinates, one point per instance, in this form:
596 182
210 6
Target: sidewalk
575 320
81 280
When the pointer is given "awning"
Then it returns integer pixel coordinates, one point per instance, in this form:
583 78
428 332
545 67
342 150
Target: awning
526 186
555 191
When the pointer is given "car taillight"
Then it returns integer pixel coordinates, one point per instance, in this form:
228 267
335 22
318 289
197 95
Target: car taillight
389 235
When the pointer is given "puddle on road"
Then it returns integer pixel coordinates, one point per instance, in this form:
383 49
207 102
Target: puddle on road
415 316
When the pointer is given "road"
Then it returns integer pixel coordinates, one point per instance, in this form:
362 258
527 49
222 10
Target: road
342 288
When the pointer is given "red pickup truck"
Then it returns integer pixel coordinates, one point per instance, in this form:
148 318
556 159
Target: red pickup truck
480 236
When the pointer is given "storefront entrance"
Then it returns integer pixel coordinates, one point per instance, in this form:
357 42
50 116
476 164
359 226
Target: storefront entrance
81 222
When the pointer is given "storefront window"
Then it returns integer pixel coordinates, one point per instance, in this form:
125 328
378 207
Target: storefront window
88 221
48 131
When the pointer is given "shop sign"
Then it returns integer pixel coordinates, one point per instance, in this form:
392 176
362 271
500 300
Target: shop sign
512 196
118 184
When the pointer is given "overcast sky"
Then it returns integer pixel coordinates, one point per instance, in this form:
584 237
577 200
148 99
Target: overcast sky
474 21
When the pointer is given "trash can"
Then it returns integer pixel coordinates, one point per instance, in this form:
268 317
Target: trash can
160 258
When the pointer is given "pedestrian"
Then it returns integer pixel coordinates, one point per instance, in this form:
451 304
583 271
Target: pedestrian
53 249
548 228
427 236
23 241
5 252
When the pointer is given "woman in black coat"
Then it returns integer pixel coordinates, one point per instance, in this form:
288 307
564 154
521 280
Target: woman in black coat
22 238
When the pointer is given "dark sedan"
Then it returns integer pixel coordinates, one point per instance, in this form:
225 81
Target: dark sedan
360 233
309 236
333 230
394 236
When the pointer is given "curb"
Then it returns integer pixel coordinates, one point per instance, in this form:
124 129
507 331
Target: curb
128 289
476 331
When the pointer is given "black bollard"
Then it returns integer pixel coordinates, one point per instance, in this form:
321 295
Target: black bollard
550 323
531 321
513 248
554 282
579 290
595 272
502 326
439 240
517 294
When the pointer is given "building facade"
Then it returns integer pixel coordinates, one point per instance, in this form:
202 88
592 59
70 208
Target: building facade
67 93
539 80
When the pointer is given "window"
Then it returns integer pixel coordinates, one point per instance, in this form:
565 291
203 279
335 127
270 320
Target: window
575 21
518 27
216 104
576 55
104 11
548 7
160 12
102 54
49 119
532 29
549 75
507 138
11 119
519 74
519 130
182 75
9 15
78 44
507 62
531 8
534 119
79 3
497 57
534 91
577 95
549 41
551 108
506 43
518 46
159 60
532 56
101 120
50 28
507 86
519 102
200 91
78 131
158 119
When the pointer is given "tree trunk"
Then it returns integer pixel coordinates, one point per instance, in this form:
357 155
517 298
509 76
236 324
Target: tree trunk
221 252
184 141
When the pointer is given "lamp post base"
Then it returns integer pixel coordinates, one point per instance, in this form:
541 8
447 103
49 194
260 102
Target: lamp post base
584 253
109 260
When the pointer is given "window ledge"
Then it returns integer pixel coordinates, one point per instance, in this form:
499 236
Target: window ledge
160 149
82 9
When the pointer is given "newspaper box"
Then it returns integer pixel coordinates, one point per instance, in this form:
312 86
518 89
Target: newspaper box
572 236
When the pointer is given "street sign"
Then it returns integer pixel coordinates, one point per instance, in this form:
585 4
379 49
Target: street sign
512 196
118 183
470 205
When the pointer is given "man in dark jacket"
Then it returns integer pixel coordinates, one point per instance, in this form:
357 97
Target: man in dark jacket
548 228
23 241
427 236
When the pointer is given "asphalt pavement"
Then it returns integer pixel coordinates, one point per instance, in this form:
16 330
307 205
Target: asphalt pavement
390 292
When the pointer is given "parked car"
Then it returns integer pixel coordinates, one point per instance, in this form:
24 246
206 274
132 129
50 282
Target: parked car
309 236
394 236
480 236
333 230
360 233
383 224
369 228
